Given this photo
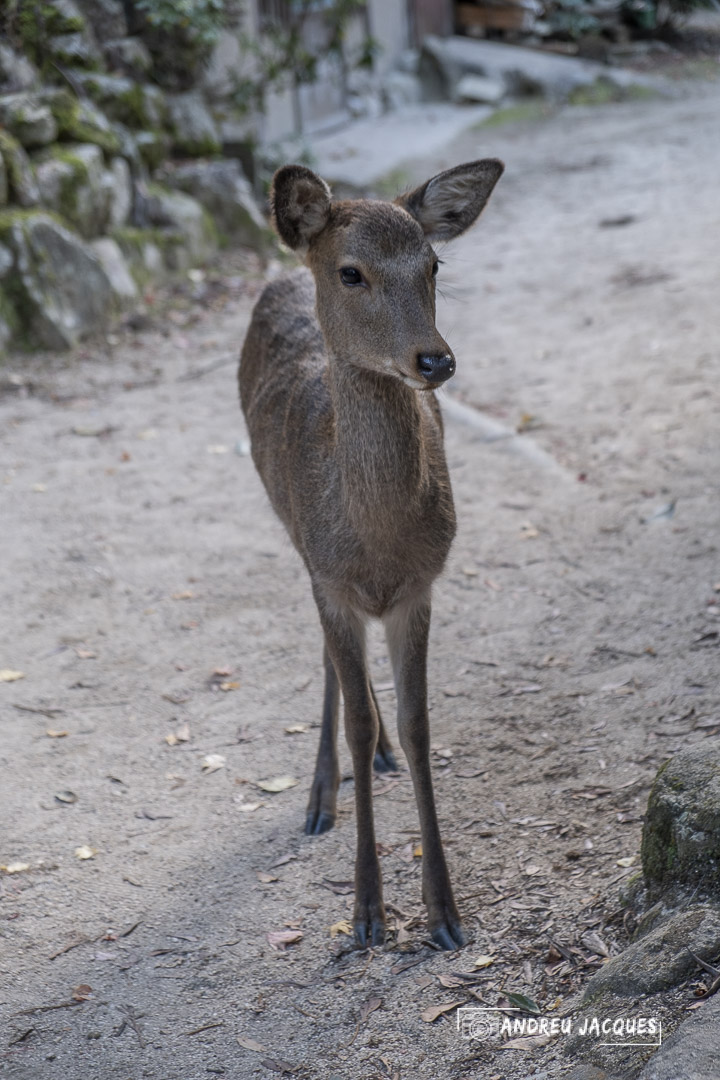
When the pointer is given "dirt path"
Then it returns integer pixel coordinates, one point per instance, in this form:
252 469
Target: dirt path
147 590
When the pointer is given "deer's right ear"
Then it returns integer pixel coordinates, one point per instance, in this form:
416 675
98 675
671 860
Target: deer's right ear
300 204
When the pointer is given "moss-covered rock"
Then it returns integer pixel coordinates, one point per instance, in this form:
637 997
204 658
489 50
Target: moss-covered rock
16 71
195 133
129 55
81 121
9 323
681 835
115 265
153 147
74 182
222 189
57 286
149 252
132 103
21 182
179 214
3 182
75 50
28 119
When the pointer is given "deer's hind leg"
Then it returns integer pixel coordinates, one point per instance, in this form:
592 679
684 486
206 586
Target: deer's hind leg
384 760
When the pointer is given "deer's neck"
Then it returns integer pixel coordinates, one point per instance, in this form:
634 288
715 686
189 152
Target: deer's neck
385 437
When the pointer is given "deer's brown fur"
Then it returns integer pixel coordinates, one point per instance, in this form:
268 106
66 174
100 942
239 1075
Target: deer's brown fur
336 382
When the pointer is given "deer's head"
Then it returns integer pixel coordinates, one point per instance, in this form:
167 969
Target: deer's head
374 264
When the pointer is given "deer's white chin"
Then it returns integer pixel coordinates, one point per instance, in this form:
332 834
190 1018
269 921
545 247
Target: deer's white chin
415 384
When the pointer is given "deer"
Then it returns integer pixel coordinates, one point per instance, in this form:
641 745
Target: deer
337 379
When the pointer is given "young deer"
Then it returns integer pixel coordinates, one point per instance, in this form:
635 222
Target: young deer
336 380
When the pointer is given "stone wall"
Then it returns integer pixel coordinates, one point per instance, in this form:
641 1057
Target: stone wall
106 179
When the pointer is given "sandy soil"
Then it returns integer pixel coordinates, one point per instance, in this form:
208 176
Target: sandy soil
147 590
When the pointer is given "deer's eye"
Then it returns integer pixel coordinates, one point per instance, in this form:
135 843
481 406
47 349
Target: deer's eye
350 276
436 267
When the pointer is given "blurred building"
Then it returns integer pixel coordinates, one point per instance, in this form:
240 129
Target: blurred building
341 88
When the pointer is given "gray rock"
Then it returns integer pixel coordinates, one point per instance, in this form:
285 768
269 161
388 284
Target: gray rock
132 103
7 321
693 1051
121 192
3 182
81 120
661 959
195 132
152 147
444 62
75 50
28 119
6 261
222 189
107 18
477 88
400 88
16 71
64 291
681 835
63 17
128 54
73 181
190 230
21 181
118 272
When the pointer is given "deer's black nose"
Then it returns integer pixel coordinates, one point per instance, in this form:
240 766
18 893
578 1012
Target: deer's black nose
436 369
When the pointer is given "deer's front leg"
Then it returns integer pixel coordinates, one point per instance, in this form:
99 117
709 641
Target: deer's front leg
345 640
407 628
321 809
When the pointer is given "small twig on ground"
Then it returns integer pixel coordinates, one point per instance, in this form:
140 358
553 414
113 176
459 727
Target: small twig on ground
205 1027
199 373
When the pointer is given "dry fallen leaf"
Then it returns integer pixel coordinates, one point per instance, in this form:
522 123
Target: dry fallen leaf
264 877
629 860
181 735
15 867
218 448
341 927
8 675
417 851
247 807
251 1044
212 762
528 530
229 686
52 733
85 852
277 783
280 939
368 1007
82 992
185 594
85 654
431 1014
528 1043
297 729
483 961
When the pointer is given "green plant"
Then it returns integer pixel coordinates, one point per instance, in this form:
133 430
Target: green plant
201 20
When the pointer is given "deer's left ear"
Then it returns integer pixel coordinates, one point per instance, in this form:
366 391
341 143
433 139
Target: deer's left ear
448 204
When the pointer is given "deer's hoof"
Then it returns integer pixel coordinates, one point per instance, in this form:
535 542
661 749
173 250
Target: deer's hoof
370 933
318 821
384 761
449 935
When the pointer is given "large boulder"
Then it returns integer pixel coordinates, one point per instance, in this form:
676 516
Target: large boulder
16 71
3 182
21 181
28 119
75 50
136 104
81 120
194 130
74 182
115 265
222 189
693 1051
121 191
681 834
185 222
62 17
58 284
129 55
